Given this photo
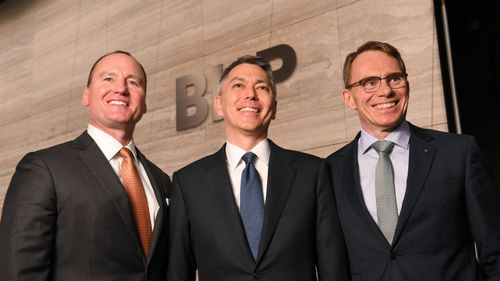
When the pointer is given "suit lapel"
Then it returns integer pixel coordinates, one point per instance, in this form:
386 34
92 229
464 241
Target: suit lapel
97 163
351 180
420 160
421 156
220 189
160 198
281 176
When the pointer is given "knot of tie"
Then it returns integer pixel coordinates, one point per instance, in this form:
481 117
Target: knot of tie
126 153
248 157
383 146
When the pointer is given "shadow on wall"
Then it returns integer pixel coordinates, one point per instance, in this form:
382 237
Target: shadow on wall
14 8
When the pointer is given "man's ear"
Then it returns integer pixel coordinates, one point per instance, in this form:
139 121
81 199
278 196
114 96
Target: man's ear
218 105
348 99
85 96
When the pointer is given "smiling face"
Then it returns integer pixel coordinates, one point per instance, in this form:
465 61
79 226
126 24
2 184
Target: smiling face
382 111
247 104
115 96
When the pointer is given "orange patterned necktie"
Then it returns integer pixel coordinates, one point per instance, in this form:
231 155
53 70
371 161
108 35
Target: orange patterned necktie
137 197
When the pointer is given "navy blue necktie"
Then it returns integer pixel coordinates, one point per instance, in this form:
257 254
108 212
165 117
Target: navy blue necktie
251 203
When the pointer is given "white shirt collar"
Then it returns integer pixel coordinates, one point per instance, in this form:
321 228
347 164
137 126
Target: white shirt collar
400 137
108 145
234 153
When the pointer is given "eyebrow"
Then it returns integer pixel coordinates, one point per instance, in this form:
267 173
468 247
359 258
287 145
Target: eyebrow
263 81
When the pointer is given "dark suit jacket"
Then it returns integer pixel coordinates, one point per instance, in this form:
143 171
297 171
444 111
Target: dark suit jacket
450 202
300 229
67 217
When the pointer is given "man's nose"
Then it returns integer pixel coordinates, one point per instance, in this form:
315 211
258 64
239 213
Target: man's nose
250 93
120 86
384 88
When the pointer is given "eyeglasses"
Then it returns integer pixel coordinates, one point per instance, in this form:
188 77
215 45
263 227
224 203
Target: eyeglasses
371 84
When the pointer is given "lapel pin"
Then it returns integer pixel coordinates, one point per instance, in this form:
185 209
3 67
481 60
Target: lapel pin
426 150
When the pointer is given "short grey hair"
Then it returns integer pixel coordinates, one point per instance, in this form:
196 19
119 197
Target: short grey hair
256 60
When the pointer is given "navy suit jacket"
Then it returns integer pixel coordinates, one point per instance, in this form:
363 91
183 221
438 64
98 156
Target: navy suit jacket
451 202
66 217
300 234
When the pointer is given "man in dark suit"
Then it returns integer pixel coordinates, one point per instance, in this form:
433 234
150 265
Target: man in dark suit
298 236
442 197
67 215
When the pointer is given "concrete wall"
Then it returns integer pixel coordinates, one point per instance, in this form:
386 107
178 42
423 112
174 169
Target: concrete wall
48 46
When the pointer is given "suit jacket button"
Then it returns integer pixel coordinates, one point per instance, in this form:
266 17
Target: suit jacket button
392 255
257 276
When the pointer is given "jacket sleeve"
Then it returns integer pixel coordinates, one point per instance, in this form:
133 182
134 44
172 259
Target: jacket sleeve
28 224
483 208
330 245
181 262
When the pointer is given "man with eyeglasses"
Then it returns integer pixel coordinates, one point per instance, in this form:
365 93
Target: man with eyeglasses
414 204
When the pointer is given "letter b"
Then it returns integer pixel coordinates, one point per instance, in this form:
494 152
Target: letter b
187 103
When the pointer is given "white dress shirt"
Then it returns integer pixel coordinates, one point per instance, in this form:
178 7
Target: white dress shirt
367 160
111 148
235 166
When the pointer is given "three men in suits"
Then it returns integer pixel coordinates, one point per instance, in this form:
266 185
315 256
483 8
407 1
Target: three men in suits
446 201
67 215
298 234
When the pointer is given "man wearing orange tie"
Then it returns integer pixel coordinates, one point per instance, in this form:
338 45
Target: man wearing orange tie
93 208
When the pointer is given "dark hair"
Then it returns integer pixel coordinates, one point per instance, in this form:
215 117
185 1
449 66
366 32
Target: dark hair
112 53
371 46
256 60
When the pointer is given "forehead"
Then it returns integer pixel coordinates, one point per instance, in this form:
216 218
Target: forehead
374 63
118 63
246 71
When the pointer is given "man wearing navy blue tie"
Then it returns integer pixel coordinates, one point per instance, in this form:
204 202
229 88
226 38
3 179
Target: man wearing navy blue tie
254 210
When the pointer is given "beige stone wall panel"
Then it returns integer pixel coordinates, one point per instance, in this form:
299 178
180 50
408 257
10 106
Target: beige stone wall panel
48 46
